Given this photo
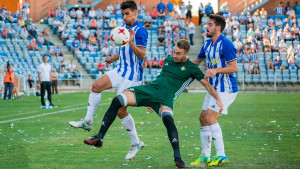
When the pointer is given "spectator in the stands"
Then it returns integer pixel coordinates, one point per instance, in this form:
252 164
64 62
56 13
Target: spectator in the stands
297 8
200 13
295 31
167 24
21 22
155 63
73 14
246 56
33 45
288 6
161 14
106 14
51 13
189 11
278 22
60 29
161 6
168 51
238 44
250 23
79 36
170 7
99 13
147 63
90 47
92 13
83 46
205 19
254 56
93 40
208 9
161 40
74 47
279 10
226 13
57 12
191 29
93 24
86 33
256 69
147 24
54 76
282 46
105 25
290 13
141 8
161 62
118 9
154 13
58 51
112 23
65 35
11 33
67 19
110 8
267 46
288 35
270 64
4 33
56 24
99 23
85 13
290 50
278 63
235 24
182 8
106 51
249 68
50 52
101 67
274 45
79 13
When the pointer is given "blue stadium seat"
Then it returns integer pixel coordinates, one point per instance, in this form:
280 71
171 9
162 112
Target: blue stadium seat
256 78
248 78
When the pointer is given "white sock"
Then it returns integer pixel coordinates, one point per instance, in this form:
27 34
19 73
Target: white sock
94 100
217 137
129 125
205 137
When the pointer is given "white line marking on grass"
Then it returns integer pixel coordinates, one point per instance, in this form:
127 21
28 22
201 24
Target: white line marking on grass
18 114
74 105
45 114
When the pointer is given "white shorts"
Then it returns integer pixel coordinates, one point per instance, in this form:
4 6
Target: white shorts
119 82
226 98
182 15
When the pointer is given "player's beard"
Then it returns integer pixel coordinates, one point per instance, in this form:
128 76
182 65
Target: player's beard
211 33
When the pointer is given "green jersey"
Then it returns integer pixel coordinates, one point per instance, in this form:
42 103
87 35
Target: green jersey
175 77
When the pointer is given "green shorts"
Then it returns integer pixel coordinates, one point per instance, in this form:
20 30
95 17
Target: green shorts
152 95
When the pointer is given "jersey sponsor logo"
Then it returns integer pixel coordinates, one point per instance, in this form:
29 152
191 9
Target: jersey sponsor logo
166 64
215 61
182 68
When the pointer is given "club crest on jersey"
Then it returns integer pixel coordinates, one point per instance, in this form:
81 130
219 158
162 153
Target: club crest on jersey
215 61
182 68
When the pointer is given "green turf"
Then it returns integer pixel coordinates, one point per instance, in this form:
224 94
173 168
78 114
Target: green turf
261 131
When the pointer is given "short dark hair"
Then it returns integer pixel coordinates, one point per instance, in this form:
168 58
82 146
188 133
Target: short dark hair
183 44
219 20
129 4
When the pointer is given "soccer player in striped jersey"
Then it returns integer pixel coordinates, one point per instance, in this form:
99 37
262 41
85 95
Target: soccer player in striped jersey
221 63
128 73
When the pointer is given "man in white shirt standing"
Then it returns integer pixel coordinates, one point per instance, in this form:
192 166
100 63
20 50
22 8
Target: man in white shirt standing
191 28
44 70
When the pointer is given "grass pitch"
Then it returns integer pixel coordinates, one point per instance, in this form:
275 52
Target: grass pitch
260 131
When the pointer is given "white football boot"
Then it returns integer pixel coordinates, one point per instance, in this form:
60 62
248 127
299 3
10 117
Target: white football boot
81 124
134 149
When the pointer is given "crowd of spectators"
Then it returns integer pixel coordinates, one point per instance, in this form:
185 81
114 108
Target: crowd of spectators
260 34
89 29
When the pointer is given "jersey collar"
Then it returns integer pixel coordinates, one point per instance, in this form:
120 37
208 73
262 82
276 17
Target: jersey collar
135 24
221 37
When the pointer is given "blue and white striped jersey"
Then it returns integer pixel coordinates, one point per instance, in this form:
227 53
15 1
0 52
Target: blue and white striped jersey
218 56
279 10
130 66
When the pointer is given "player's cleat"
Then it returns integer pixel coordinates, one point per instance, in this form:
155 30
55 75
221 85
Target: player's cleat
219 161
134 149
52 106
94 141
202 161
179 162
43 107
81 124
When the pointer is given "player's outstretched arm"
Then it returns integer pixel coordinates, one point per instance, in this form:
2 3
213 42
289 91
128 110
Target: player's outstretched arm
231 68
211 90
139 51
197 61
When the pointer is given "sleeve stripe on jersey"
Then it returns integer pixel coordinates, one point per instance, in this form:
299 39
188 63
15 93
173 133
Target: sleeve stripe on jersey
232 60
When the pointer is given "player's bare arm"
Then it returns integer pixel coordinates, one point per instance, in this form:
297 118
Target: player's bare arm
211 90
110 60
197 61
231 68
139 51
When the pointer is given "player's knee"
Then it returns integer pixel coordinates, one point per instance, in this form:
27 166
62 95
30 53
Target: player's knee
122 113
97 87
167 115
122 99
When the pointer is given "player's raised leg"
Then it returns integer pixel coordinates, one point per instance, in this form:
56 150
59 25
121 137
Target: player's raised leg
127 98
166 114
94 99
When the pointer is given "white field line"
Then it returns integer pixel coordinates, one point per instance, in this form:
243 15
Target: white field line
45 114
75 105
18 114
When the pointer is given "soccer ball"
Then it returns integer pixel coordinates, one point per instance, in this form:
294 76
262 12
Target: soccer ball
119 36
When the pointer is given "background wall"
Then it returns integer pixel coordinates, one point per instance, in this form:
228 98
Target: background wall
11 5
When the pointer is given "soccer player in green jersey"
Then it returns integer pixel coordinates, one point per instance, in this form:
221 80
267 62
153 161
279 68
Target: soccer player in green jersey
177 73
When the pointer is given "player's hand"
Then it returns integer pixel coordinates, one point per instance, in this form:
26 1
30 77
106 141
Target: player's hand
220 104
210 73
108 60
150 110
132 35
